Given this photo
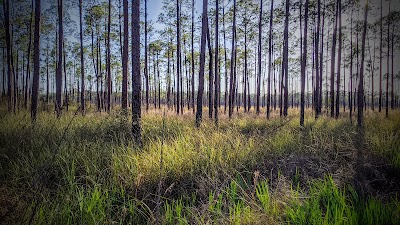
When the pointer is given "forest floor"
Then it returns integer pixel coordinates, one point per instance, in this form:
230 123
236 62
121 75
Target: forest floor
248 170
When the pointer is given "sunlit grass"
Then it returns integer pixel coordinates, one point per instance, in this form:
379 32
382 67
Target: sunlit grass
86 170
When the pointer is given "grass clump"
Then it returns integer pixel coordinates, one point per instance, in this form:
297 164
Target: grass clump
328 204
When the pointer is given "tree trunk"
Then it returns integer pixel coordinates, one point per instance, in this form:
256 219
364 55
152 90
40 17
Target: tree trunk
178 64
36 62
361 81
108 63
333 54
286 61
351 67
233 59
317 65
199 110
339 59
192 58
60 59
136 79
82 60
269 60
387 68
146 71
28 71
216 60
210 73
303 66
392 83
259 60
125 59
380 61
10 89
225 60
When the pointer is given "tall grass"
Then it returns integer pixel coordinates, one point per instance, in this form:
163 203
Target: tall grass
86 170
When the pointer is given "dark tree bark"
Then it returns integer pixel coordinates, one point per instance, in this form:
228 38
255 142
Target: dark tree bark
125 59
225 60
192 58
333 54
321 61
28 70
317 65
303 66
380 61
10 89
136 79
233 59
285 61
3 94
82 59
387 68
169 74
216 65
351 67
36 62
146 71
339 2
199 110
269 60
210 73
360 117
259 60
108 63
60 59
392 83
178 57
47 78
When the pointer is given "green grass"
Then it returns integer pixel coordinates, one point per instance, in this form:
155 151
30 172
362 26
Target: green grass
86 170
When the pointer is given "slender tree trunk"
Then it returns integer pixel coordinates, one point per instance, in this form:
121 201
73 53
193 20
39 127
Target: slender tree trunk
259 60
387 68
286 61
60 59
351 66
339 59
270 60
10 89
47 78
233 59
216 65
199 110
4 72
304 62
108 63
321 61
225 60
178 70
380 61
317 65
125 59
361 81
192 58
392 83
210 73
28 60
333 54
169 75
36 62
146 71
82 59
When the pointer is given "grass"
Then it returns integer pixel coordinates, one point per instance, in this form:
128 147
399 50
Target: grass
86 170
